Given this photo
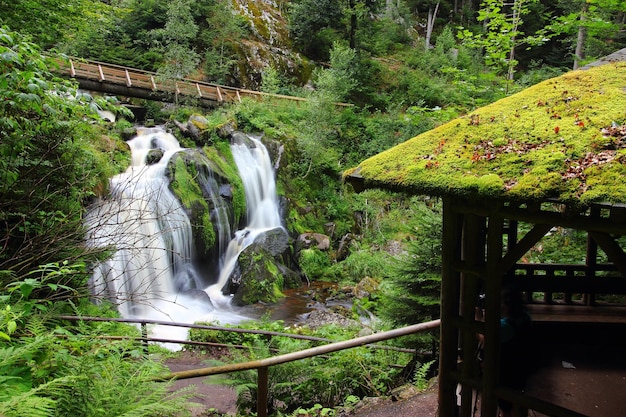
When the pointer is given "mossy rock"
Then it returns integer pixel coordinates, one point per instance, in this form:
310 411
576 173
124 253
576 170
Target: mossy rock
263 277
562 139
183 173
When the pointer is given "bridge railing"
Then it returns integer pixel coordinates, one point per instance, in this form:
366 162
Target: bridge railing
132 78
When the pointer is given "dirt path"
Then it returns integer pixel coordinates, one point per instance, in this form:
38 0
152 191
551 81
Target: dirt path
211 395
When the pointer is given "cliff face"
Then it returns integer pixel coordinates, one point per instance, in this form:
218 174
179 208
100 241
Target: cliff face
269 44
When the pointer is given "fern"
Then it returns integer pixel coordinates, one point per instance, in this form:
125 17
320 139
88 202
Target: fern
420 380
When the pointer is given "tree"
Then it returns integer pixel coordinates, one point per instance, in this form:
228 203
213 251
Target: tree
179 57
502 33
314 25
413 291
584 21
48 22
222 35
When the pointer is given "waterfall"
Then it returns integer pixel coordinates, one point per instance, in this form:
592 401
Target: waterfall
257 175
150 273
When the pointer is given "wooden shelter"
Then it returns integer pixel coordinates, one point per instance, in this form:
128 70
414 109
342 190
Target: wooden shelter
548 158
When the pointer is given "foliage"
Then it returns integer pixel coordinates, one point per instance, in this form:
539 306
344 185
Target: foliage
420 379
179 59
58 369
51 161
314 26
503 33
48 22
312 384
313 263
412 292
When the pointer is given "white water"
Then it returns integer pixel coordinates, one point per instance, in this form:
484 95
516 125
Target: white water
257 175
152 237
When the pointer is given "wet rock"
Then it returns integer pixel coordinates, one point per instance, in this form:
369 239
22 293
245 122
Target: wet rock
154 156
343 251
275 241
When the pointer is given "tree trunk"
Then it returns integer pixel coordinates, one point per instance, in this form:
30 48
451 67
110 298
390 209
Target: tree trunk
579 53
432 15
353 23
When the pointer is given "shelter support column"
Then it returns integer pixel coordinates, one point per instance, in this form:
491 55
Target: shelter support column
450 293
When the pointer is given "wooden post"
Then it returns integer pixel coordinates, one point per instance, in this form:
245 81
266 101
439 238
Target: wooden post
128 81
473 253
144 337
493 283
262 391
101 72
450 292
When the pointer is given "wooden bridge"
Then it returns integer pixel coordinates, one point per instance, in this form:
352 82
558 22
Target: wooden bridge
130 82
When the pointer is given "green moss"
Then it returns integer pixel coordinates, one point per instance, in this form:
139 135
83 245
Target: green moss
529 145
190 195
222 158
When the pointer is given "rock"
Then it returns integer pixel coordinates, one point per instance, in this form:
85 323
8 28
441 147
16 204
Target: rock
318 318
365 287
262 278
317 240
275 241
154 156
343 251
227 129
404 392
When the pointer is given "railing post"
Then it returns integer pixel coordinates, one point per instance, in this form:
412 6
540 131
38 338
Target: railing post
262 394
144 337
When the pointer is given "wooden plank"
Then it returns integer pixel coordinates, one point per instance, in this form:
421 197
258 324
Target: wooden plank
571 284
577 313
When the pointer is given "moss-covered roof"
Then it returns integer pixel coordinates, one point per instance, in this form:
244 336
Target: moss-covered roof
562 139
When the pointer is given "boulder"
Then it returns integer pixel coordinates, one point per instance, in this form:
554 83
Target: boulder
313 240
261 277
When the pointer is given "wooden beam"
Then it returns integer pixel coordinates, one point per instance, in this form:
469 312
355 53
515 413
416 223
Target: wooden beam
129 83
524 245
572 221
612 249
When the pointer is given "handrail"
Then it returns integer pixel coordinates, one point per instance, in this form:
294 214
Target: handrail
144 322
262 365
98 74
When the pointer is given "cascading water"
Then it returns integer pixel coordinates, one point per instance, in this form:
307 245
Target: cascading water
150 273
257 175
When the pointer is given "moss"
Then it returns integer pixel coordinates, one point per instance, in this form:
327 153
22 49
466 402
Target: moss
222 158
190 195
528 144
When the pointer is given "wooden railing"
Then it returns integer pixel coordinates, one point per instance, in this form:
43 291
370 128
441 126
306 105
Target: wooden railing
115 79
262 365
